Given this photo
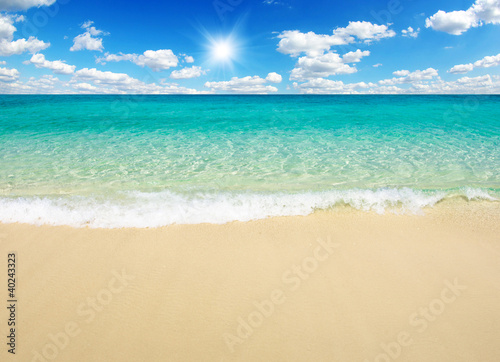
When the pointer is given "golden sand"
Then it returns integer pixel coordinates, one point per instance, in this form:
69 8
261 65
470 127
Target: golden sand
332 286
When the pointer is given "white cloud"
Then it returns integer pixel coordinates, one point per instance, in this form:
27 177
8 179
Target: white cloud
20 46
274 77
365 30
294 42
377 65
405 76
327 86
188 59
8 75
187 73
410 32
121 83
7 28
157 60
89 40
325 65
355 57
9 46
461 68
85 87
479 85
3 62
116 58
247 85
401 73
489 61
457 22
57 66
100 77
486 62
91 81
14 5
322 66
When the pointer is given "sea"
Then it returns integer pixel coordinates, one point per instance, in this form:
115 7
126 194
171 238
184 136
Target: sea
113 161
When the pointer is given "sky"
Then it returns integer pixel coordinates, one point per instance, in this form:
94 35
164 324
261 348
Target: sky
249 47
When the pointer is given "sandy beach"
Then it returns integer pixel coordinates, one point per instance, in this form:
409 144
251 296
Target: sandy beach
333 286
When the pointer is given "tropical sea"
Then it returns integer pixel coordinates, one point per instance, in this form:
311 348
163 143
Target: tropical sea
147 161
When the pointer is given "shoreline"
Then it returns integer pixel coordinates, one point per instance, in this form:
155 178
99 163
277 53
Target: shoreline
151 211
347 286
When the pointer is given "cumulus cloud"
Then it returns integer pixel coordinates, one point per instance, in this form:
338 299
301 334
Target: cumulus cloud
486 62
458 22
14 5
461 68
327 86
9 46
57 66
157 60
31 45
401 73
84 80
92 81
248 85
188 59
355 57
274 77
364 30
8 74
294 42
100 77
325 65
91 39
187 73
377 65
47 84
489 61
410 32
405 76
478 85
7 28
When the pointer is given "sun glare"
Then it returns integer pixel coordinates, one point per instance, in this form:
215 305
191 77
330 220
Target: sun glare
222 50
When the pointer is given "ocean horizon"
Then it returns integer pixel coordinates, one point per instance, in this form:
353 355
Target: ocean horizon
154 160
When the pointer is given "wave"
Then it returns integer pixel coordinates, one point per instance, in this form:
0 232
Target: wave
143 210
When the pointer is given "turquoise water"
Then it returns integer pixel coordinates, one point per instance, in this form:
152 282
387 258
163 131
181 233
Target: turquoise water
112 161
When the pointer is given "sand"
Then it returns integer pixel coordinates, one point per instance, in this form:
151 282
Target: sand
333 286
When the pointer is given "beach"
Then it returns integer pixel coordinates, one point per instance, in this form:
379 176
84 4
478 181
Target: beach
338 285
250 181
250 228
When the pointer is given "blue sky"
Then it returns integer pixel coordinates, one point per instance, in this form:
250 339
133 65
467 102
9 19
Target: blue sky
242 46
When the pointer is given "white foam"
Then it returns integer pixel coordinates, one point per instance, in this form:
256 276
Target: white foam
138 209
477 194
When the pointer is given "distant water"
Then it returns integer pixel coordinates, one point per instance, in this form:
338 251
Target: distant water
146 161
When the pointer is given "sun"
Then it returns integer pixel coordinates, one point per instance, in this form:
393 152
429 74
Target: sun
222 50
